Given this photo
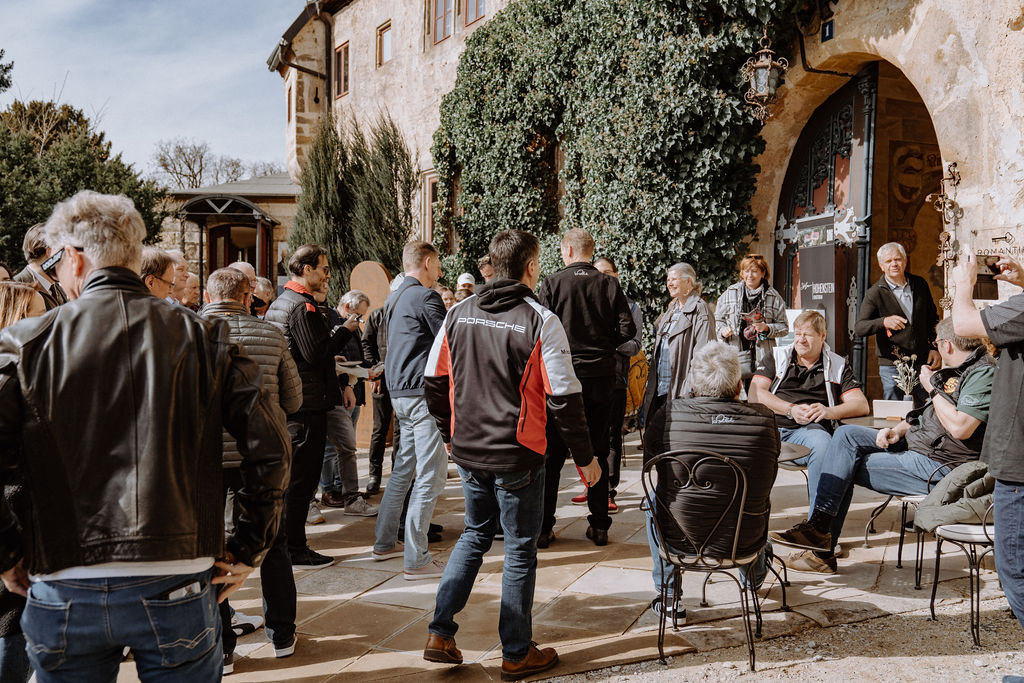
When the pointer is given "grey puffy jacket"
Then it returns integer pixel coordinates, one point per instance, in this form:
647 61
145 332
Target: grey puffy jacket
962 496
264 343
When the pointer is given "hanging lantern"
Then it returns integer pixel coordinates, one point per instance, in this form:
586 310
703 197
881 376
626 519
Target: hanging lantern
762 72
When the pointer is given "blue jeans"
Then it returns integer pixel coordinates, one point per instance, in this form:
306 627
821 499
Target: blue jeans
172 640
1009 520
14 664
422 465
817 438
340 472
662 570
854 458
514 503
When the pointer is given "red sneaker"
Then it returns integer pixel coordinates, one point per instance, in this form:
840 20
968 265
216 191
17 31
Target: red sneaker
612 507
580 499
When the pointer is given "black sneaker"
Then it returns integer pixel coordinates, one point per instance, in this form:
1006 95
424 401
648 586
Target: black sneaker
307 557
545 539
676 613
804 536
229 663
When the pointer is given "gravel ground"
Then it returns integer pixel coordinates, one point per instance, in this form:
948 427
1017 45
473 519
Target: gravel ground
901 647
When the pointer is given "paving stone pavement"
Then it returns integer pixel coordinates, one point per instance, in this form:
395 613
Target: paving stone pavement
360 620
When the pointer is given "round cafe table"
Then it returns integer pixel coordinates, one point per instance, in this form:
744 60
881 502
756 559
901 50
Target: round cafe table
868 421
791 452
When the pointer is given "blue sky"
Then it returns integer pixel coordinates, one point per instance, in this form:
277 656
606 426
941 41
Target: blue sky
155 70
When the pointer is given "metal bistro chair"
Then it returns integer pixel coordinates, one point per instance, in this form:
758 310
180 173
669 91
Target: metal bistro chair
967 537
691 471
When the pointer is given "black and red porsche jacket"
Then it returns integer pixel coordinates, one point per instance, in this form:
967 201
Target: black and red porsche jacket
499 367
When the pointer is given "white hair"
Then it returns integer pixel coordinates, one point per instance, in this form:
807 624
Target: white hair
891 246
108 228
715 370
353 297
245 268
687 271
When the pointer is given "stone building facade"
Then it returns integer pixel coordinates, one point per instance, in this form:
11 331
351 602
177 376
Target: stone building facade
362 57
914 87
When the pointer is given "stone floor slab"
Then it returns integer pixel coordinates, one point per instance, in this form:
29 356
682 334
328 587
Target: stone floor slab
632 584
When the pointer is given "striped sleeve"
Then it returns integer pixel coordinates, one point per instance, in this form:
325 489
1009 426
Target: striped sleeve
559 377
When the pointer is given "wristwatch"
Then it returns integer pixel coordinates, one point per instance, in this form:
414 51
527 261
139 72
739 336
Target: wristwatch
789 412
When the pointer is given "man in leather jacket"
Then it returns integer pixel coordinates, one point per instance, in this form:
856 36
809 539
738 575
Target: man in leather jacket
112 407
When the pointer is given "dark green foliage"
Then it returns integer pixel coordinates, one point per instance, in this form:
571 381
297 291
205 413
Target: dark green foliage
642 100
5 73
47 154
324 204
356 198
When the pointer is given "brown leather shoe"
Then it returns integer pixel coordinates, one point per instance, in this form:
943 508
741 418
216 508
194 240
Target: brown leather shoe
332 500
535 661
441 649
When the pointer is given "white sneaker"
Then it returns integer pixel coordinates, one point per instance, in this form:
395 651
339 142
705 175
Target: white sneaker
360 508
431 570
314 516
243 624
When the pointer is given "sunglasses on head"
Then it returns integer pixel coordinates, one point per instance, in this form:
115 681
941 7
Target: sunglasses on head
49 266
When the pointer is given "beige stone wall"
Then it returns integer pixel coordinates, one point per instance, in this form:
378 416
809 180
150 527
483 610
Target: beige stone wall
409 87
964 59
302 92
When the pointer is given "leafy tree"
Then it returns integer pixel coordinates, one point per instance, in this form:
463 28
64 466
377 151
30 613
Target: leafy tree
189 164
625 118
356 198
324 204
5 73
383 179
50 152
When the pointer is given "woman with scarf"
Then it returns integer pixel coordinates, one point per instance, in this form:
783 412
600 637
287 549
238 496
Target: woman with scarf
751 315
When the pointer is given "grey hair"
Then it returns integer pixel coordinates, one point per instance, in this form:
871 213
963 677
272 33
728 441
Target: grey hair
715 370
687 271
266 286
353 297
889 246
108 228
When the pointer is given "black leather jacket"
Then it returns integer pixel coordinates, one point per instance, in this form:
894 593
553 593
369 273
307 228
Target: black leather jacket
112 407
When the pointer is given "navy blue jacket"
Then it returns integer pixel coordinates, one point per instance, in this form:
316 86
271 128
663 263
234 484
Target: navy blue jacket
413 315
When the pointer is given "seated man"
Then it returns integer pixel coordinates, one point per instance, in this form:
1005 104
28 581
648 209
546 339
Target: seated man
809 388
714 419
901 460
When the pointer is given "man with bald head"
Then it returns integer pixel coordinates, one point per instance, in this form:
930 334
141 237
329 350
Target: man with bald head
246 269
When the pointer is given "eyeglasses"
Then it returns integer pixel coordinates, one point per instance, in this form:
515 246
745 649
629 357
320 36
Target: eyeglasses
49 266
169 284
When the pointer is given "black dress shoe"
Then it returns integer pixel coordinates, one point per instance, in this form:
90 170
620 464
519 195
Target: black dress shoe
545 539
598 536
373 486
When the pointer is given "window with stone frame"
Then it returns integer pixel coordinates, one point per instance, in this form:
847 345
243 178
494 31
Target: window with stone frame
384 43
475 10
443 16
341 82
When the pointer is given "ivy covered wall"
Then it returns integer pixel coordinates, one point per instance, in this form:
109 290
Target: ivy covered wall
631 111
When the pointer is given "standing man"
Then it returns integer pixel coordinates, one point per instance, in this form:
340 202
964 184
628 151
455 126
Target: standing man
112 409
1003 324
375 350
899 311
35 250
597 320
339 478
413 316
623 355
313 345
228 293
497 364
